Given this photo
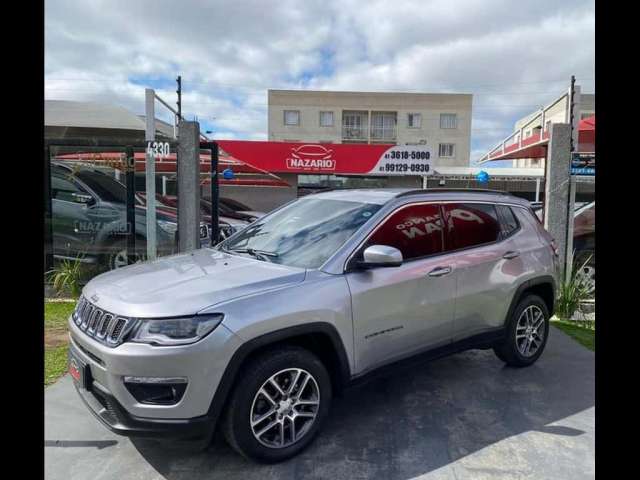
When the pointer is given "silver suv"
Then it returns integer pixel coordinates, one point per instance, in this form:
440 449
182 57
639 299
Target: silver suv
258 333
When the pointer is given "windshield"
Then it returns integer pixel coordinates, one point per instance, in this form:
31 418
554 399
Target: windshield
107 188
304 234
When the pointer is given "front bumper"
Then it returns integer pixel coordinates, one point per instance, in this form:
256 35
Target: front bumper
112 415
202 364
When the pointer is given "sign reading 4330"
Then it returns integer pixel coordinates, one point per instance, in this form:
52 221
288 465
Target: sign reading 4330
158 149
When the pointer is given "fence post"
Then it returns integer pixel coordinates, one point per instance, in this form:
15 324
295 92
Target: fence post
188 186
557 189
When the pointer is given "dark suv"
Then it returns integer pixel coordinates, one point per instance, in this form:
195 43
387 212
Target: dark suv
89 218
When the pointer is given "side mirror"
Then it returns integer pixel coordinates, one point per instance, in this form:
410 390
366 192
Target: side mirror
380 256
82 198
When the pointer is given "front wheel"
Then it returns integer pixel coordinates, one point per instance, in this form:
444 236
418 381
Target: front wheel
279 406
527 333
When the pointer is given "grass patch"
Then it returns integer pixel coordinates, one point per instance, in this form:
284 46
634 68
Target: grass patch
584 336
55 339
55 363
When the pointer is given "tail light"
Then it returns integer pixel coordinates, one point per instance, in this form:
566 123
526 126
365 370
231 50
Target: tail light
554 248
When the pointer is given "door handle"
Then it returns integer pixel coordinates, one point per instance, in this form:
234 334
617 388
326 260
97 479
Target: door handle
511 254
439 271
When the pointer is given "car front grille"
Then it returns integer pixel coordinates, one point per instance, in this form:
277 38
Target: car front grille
103 326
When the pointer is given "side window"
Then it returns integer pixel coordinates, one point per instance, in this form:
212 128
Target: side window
470 224
508 222
415 230
63 189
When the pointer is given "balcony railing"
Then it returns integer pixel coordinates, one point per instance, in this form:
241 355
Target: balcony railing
354 133
383 133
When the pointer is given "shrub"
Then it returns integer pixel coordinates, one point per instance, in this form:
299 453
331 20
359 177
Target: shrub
67 277
572 291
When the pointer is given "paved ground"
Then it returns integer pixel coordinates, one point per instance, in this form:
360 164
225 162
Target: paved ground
462 417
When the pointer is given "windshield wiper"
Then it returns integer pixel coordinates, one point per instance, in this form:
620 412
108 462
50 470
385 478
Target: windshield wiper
259 254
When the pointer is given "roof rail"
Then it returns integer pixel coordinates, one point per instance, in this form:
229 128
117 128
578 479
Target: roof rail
446 190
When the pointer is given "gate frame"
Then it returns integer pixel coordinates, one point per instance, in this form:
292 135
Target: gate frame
114 142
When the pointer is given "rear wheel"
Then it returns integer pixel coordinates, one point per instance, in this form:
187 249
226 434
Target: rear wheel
279 406
527 333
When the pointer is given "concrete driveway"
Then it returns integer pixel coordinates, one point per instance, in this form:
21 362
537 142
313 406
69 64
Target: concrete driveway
465 416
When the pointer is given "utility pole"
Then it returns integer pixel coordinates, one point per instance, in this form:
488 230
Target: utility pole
179 92
574 100
572 92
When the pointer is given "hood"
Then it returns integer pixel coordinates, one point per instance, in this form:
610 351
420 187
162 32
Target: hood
185 284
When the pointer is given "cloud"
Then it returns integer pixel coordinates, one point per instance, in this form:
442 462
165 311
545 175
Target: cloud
514 57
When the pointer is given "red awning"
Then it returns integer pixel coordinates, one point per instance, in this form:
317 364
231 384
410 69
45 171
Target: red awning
245 174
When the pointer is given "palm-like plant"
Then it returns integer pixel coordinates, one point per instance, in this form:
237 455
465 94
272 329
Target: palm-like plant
572 292
67 277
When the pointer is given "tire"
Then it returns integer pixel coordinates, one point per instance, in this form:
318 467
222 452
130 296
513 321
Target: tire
515 351
248 402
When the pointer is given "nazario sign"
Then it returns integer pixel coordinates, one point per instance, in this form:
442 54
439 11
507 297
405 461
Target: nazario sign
332 158
583 163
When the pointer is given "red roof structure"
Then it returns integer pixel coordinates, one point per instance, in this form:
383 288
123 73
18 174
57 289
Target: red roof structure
535 146
244 173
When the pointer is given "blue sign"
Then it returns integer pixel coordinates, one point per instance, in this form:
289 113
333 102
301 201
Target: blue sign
482 176
228 174
583 163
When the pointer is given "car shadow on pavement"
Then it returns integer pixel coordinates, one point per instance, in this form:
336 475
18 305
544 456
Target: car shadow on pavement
417 421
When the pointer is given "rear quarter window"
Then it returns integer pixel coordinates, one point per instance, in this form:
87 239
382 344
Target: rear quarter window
508 222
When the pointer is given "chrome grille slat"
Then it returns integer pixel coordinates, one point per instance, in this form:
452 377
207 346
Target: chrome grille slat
86 316
101 325
101 331
95 318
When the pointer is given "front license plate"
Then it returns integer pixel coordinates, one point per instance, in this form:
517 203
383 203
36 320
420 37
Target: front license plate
77 370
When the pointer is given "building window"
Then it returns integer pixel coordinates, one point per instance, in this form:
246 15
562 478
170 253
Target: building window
446 150
414 120
448 120
383 126
292 117
354 125
326 119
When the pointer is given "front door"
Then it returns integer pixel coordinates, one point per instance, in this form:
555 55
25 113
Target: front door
398 311
70 216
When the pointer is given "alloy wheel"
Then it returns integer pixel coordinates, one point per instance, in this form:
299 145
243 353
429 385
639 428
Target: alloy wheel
285 408
587 277
530 331
120 259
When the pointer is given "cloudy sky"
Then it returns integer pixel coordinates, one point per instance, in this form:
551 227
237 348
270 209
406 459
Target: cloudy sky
513 56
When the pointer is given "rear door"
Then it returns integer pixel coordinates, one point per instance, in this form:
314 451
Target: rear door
484 240
400 310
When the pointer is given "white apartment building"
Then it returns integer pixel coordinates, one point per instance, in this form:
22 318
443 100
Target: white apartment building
555 113
442 121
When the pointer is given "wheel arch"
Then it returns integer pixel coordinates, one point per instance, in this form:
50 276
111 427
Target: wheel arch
543 286
321 338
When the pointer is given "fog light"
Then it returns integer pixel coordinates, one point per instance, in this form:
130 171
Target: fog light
156 390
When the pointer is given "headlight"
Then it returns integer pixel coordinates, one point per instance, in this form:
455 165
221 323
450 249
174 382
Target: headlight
175 331
169 227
